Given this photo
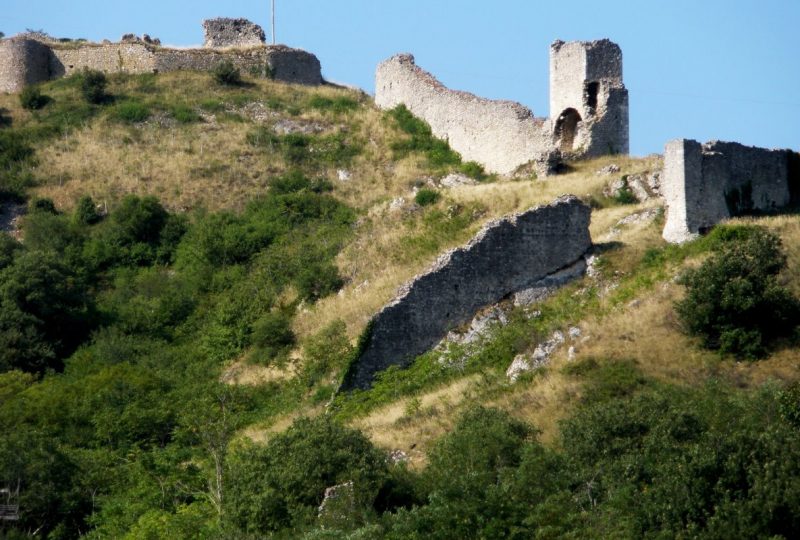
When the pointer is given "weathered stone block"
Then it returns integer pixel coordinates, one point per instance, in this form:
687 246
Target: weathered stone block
225 32
506 256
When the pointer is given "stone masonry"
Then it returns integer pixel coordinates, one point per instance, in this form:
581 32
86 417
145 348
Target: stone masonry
506 256
704 184
589 108
25 60
232 33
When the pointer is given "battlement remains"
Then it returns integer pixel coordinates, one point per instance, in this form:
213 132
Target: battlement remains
224 32
704 184
588 109
26 60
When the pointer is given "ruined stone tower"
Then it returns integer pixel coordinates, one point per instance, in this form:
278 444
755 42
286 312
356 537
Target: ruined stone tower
22 62
588 100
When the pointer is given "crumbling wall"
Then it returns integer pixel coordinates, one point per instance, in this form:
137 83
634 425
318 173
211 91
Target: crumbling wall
23 62
501 135
108 58
285 64
704 184
586 77
224 32
588 109
508 255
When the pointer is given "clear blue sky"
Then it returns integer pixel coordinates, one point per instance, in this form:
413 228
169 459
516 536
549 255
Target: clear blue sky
702 69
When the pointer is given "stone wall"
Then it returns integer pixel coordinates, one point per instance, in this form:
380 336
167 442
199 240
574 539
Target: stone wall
108 58
501 135
25 61
704 184
508 255
22 62
588 109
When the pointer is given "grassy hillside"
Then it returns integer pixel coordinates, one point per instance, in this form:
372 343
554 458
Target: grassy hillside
198 263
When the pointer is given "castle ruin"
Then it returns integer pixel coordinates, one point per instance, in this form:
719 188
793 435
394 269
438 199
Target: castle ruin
704 184
506 256
588 106
30 59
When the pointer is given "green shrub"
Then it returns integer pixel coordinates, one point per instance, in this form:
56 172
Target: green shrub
734 302
473 169
32 99
226 74
282 484
93 86
625 195
272 333
336 105
317 281
426 197
185 114
212 105
421 139
85 212
44 205
131 112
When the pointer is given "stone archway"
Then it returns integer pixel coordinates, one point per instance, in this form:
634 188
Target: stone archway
566 129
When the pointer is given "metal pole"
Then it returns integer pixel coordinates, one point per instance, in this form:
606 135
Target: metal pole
273 22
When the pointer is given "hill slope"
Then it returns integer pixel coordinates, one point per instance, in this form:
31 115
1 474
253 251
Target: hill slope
148 340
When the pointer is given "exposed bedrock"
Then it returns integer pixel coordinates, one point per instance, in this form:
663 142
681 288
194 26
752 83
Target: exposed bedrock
506 256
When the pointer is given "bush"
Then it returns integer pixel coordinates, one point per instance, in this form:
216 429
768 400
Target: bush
438 152
426 197
32 99
185 114
225 73
131 112
86 211
473 169
734 302
93 86
272 333
281 484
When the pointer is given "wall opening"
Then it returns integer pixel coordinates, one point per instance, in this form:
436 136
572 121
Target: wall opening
592 89
566 129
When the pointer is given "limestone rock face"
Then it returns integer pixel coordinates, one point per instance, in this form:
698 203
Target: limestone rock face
232 33
508 255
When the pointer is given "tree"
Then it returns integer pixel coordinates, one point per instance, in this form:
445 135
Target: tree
734 301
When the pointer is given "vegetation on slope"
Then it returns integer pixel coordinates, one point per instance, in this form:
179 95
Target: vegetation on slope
156 349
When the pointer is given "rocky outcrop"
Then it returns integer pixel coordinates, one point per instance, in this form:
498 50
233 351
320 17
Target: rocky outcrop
506 256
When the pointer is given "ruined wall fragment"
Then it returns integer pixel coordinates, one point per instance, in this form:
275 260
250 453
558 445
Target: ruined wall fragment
704 184
506 256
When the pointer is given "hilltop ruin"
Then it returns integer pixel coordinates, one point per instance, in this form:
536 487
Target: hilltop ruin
588 107
33 58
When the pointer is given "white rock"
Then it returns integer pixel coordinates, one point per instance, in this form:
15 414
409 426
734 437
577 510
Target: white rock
456 180
344 175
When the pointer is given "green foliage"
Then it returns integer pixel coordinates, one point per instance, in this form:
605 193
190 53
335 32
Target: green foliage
226 74
473 169
335 105
326 351
426 197
421 139
272 333
130 112
624 195
85 212
45 312
93 86
16 156
280 485
307 151
32 99
184 114
734 302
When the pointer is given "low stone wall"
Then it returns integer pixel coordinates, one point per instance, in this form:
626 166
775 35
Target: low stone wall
501 135
704 184
27 61
508 255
